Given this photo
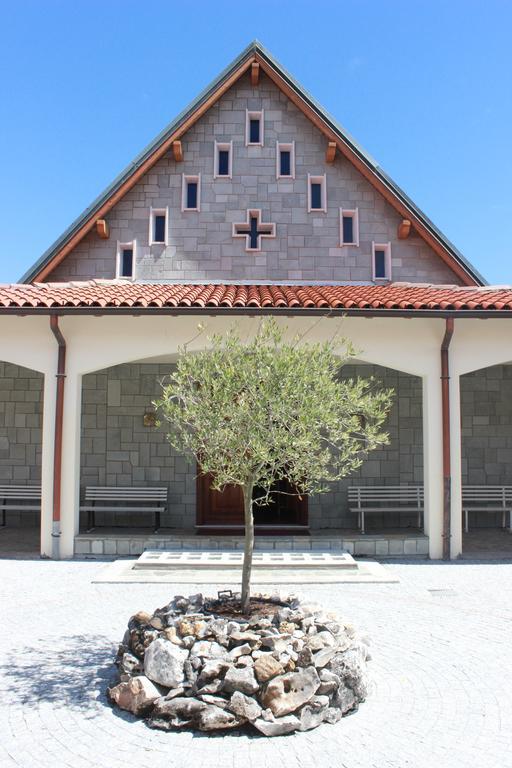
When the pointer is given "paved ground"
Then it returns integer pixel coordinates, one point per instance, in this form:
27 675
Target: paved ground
442 698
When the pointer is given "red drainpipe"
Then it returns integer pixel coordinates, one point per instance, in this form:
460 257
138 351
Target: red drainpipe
445 399
57 451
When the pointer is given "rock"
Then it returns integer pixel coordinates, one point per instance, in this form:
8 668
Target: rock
208 649
214 687
350 667
213 668
174 692
304 657
344 699
214 718
239 650
240 680
163 663
157 622
240 638
266 667
245 661
311 610
141 617
244 706
188 641
211 699
287 628
286 693
323 657
278 726
196 628
332 715
276 642
183 708
137 695
130 664
311 715
171 634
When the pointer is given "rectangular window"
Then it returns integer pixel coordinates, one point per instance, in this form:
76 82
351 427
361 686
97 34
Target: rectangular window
317 198
126 260
254 128
191 193
349 227
158 226
223 160
381 261
285 160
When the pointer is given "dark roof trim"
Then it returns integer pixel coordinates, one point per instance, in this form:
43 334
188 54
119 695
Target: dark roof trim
254 48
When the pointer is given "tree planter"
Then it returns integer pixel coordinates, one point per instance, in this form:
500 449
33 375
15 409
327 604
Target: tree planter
286 666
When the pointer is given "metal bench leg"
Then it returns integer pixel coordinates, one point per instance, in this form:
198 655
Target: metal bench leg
503 519
92 520
466 521
157 520
4 523
362 522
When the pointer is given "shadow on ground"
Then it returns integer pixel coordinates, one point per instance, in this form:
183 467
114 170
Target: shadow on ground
75 675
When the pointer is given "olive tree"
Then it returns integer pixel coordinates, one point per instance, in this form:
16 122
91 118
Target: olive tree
254 412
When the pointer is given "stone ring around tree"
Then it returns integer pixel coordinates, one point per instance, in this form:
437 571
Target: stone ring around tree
287 666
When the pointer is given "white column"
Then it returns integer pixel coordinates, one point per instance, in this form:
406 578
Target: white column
433 461
48 434
70 495
455 467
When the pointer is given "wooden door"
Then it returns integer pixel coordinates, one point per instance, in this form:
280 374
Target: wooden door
222 512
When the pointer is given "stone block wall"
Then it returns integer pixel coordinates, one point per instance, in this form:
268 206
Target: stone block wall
398 463
486 421
117 449
201 246
21 409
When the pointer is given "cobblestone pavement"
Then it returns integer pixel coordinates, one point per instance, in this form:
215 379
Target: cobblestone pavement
441 642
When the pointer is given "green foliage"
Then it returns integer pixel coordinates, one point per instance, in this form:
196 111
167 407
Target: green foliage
254 412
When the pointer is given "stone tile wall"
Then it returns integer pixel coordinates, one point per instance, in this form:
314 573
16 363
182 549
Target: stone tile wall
117 449
201 246
486 420
21 407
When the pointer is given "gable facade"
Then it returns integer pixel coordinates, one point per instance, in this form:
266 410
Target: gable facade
200 245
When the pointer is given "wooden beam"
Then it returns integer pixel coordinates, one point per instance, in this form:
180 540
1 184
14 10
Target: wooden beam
330 153
102 229
404 229
255 73
177 151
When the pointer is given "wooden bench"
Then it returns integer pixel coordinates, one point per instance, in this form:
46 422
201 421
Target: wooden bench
21 498
384 499
121 499
487 498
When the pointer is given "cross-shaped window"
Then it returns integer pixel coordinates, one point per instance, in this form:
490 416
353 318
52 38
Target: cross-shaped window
253 230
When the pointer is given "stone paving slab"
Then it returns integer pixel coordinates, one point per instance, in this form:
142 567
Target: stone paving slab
126 572
442 695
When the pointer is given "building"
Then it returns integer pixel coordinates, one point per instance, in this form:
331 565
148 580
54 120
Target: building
252 202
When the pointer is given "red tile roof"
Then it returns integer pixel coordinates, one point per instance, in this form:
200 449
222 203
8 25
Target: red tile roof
395 296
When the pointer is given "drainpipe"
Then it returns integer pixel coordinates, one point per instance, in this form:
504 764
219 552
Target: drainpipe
445 399
57 451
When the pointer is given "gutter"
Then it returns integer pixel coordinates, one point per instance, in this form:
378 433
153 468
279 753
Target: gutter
445 404
98 311
57 450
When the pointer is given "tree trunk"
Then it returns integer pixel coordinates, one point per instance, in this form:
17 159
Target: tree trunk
248 548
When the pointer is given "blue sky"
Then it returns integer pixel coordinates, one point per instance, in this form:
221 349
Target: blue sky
425 87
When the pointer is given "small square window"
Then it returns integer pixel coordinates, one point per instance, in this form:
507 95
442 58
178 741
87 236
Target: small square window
317 197
285 160
158 226
191 193
254 128
349 227
126 260
381 261
223 160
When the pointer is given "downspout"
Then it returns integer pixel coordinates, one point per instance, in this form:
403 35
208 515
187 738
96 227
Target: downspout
445 400
57 450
